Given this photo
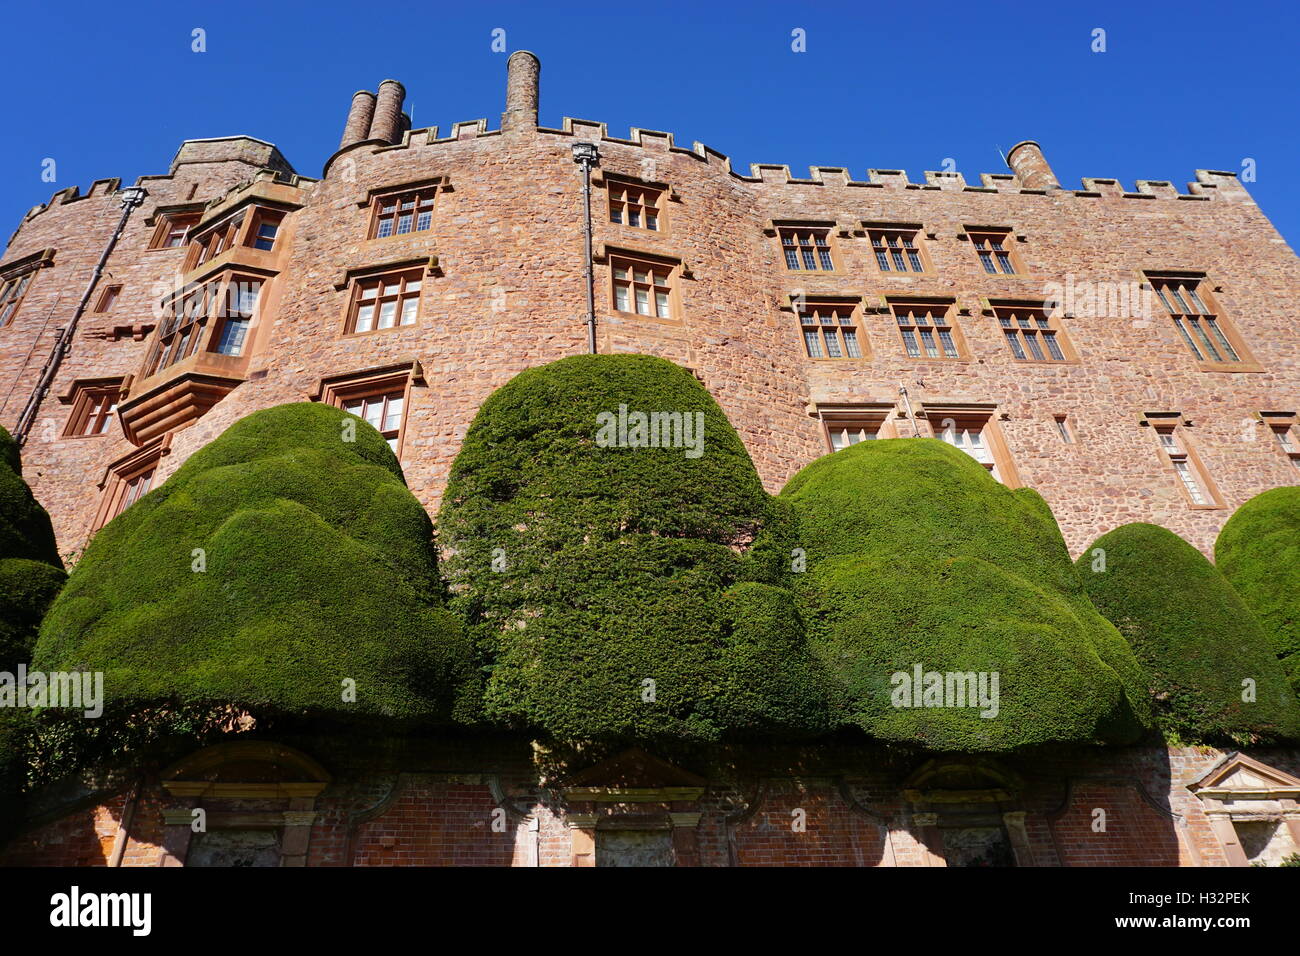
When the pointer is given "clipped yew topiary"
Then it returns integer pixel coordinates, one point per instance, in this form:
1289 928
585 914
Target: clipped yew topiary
1258 551
917 557
31 574
606 574
1194 636
281 560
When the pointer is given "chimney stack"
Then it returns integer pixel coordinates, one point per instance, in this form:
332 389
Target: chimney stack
523 70
387 122
1030 166
359 116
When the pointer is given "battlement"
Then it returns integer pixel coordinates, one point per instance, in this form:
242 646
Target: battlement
1208 184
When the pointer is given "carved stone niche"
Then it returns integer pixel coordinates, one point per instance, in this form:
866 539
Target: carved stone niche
633 810
258 800
1254 809
968 812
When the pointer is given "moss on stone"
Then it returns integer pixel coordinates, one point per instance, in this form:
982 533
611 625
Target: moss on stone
278 562
916 555
1194 636
1258 551
604 583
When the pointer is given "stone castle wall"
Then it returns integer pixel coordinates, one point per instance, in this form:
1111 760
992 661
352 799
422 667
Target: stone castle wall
509 294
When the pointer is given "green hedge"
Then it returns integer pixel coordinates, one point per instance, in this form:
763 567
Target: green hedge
31 574
916 555
587 571
1258 551
320 567
1194 636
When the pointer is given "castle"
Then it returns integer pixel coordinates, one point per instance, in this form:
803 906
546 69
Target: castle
1129 354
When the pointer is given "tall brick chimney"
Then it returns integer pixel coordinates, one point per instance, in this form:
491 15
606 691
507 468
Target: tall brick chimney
523 71
387 122
359 117
1030 166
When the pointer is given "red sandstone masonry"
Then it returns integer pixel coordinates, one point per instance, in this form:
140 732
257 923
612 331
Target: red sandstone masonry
510 296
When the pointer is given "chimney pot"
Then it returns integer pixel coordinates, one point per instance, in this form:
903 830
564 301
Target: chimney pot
359 117
1030 166
387 122
523 72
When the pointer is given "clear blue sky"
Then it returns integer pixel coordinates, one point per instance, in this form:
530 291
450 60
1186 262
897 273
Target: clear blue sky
112 89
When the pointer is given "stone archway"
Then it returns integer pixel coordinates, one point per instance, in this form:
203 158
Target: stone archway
258 803
967 812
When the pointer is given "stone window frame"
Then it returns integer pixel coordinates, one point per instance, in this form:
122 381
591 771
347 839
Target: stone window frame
108 298
1209 315
977 235
116 484
829 231
206 322
913 231
963 415
238 228
1065 429
622 256
173 223
878 418
15 281
87 398
423 201
352 280
657 193
403 377
380 281
852 305
1282 426
949 313
1046 319
1182 450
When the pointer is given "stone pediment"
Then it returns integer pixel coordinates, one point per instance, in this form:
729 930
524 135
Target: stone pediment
1238 777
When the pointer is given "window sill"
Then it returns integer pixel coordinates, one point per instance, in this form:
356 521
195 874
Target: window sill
646 318
1045 363
1238 367
961 359
352 333
402 235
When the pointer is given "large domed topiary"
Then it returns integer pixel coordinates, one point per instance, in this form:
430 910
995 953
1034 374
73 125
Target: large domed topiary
280 561
606 577
1194 636
31 574
918 558
1258 551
